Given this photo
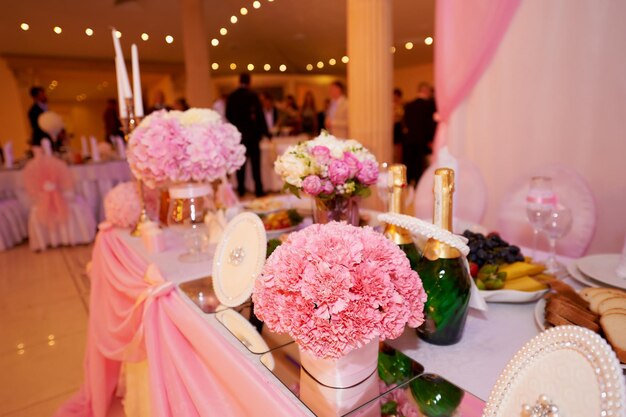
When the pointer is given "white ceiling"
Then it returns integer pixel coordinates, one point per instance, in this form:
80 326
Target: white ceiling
290 32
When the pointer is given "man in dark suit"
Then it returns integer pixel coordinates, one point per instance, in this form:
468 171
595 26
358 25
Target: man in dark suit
40 105
270 112
420 131
244 110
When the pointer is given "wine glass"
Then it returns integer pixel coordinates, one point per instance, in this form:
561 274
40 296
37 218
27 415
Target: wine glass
559 224
539 203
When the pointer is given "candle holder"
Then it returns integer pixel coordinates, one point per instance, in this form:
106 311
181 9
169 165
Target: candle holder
128 125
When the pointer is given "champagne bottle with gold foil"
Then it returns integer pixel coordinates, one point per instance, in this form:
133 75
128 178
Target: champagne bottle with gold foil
443 273
397 184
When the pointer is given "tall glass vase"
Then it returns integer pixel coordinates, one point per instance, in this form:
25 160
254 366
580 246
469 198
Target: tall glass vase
338 208
188 204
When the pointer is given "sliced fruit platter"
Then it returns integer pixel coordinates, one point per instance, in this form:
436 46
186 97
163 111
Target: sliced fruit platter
280 222
601 310
501 272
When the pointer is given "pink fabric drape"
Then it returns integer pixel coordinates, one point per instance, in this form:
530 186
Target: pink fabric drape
467 35
46 179
194 371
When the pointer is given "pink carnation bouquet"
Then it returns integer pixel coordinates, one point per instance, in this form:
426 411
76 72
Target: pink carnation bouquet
191 146
334 287
327 167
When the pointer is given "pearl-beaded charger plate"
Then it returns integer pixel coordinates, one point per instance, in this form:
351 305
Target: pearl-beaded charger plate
512 296
239 259
540 319
602 268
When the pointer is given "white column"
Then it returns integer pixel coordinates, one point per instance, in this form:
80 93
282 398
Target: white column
370 75
196 51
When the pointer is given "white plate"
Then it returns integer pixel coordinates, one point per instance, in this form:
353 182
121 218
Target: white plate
239 259
511 296
573 272
275 234
602 268
265 205
246 334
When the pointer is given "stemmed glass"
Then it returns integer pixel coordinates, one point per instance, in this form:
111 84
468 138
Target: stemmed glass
559 224
539 203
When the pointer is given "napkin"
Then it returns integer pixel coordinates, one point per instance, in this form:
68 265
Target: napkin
7 150
121 147
621 266
46 145
84 149
216 223
95 152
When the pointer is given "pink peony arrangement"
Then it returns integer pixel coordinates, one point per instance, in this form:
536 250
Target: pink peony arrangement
327 166
122 205
174 147
335 287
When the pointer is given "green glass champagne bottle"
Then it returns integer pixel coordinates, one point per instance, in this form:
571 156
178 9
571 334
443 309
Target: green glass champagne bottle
443 273
400 236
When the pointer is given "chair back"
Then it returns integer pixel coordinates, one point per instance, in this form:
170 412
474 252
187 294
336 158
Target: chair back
572 191
46 180
568 367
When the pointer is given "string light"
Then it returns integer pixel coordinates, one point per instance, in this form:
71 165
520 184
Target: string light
320 65
282 68
169 39
233 66
243 11
223 31
145 36
233 19
345 59
250 67
215 42
267 67
57 30
393 49
89 31
256 4
309 67
428 41
24 26
408 45
332 61
215 66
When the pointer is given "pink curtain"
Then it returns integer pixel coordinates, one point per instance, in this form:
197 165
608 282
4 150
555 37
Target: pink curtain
194 371
467 35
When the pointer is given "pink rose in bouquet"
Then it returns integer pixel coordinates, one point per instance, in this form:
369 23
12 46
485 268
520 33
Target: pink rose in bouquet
312 185
368 174
335 287
338 172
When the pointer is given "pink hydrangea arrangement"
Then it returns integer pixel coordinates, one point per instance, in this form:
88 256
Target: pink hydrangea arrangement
327 166
191 146
334 287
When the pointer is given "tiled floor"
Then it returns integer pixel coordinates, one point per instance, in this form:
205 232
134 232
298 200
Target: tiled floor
43 323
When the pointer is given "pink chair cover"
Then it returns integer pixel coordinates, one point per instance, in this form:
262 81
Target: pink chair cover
194 371
46 179
572 191
470 196
467 36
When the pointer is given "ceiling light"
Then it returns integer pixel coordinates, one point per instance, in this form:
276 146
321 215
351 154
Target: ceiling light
256 4
233 66
428 41
332 61
118 34
54 83
267 67
215 66
309 67
393 49
144 36
408 45
320 65
24 26
250 67
57 30
345 59
169 39
215 42
243 11
233 19
283 68
89 31
223 31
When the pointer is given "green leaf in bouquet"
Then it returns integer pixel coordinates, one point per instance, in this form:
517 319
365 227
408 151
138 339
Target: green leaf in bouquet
272 244
291 189
390 408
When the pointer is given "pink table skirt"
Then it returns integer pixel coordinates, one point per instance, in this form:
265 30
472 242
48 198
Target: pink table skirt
194 370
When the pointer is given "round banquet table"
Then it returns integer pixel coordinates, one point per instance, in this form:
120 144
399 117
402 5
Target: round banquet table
196 367
91 181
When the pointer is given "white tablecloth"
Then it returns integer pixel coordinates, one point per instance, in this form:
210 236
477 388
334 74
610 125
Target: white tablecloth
91 181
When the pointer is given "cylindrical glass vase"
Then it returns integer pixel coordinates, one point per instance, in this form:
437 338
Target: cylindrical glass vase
338 208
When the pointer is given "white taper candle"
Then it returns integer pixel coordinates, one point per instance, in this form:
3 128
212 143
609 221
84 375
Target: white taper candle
137 95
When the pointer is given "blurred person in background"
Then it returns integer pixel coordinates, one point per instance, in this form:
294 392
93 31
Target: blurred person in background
290 117
159 102
219 105
337 113
40 105
270 112
181 104
398 125
321 117
420 125
111 118
308 114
